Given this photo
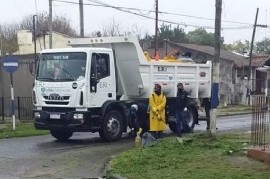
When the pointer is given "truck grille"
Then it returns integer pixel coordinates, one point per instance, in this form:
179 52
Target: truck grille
57 102
57 109
52 98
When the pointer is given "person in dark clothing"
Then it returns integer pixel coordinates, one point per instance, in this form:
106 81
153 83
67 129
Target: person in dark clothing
206 103
181 110
139 117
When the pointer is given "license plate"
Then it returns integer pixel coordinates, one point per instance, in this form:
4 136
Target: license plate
55 116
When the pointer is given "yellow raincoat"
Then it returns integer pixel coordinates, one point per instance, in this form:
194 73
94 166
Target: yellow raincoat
157 112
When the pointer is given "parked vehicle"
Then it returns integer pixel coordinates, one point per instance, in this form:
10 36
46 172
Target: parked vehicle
90 86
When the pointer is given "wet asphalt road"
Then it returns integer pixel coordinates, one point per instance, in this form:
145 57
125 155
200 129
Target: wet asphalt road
84 156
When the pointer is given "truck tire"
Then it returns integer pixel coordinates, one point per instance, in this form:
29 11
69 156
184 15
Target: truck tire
172 126
112 126
61 135
190 120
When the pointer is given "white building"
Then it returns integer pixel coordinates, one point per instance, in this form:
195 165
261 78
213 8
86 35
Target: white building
26 43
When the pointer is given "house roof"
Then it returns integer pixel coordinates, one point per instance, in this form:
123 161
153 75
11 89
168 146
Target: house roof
239 61
259 60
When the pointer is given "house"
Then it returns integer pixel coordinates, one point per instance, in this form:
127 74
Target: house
261 64
234 68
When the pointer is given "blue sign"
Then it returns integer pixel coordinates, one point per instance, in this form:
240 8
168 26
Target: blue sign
10 64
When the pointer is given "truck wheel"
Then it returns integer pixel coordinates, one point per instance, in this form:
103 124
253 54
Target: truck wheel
172 126
112 126
191 118
61 135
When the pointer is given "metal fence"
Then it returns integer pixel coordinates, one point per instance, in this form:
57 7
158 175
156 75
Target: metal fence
260 125
23 108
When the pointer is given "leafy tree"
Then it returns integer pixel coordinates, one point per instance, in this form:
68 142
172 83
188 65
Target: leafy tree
176 34
238 46
201 36
263 46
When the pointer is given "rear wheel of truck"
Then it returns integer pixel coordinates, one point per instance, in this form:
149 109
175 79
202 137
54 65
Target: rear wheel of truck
172 126
61 135
190 119
112 126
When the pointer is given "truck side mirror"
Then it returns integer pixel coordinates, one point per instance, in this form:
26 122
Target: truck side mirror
32 68
93 84
93 75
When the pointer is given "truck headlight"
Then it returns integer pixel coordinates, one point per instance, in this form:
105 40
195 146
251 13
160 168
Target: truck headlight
78 116
37 115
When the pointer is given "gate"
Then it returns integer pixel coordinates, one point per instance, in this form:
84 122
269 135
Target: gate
260 124
23 108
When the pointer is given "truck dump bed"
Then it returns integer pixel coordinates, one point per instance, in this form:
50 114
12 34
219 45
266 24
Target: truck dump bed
136 75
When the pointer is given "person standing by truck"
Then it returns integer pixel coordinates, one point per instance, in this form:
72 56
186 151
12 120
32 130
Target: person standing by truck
157 104
181 111
206 103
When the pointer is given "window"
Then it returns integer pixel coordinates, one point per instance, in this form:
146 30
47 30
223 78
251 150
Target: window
62 66
101 62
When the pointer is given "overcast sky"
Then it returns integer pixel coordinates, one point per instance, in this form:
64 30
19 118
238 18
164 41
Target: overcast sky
240 11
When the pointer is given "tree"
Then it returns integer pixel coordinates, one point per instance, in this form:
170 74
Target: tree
111 29
238 46
59 24
201 36
9 31
8 38
176 34
263 46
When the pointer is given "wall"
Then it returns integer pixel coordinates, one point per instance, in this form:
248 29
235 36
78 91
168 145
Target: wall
59 41
22 79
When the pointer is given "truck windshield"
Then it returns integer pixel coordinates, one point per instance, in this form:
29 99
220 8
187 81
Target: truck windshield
66 66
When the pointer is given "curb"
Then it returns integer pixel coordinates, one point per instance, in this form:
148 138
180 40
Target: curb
108 169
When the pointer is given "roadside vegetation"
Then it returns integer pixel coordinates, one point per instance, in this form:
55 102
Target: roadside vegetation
22 130
200 157
234 110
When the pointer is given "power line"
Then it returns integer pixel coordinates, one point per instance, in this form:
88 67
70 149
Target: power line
161 12
127 10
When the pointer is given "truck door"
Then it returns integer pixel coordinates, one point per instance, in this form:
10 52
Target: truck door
102 79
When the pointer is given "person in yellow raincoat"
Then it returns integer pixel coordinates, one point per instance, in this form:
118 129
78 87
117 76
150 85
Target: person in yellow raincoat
157 104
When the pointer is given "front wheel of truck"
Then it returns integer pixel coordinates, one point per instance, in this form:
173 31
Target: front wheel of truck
112 126
61 135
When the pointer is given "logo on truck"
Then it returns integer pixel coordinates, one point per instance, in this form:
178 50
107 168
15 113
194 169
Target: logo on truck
55 97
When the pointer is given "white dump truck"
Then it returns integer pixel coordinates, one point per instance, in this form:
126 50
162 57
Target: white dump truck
90 86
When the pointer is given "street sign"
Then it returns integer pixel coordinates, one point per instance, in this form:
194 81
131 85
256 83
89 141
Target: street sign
10 64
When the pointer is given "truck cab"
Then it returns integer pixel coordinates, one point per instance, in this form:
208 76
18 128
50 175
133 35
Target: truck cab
71 88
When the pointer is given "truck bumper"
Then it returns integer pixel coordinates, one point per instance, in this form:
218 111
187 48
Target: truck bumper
66 121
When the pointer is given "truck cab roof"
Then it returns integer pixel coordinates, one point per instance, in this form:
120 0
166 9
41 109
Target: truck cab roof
85 49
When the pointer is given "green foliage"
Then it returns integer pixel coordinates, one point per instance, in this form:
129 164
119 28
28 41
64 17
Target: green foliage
176 34
202 157
22 130
201 36
263 46
238 46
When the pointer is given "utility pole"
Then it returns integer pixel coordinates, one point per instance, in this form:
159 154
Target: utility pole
50 23
250 55
35 41
81 18
215 69
156 30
